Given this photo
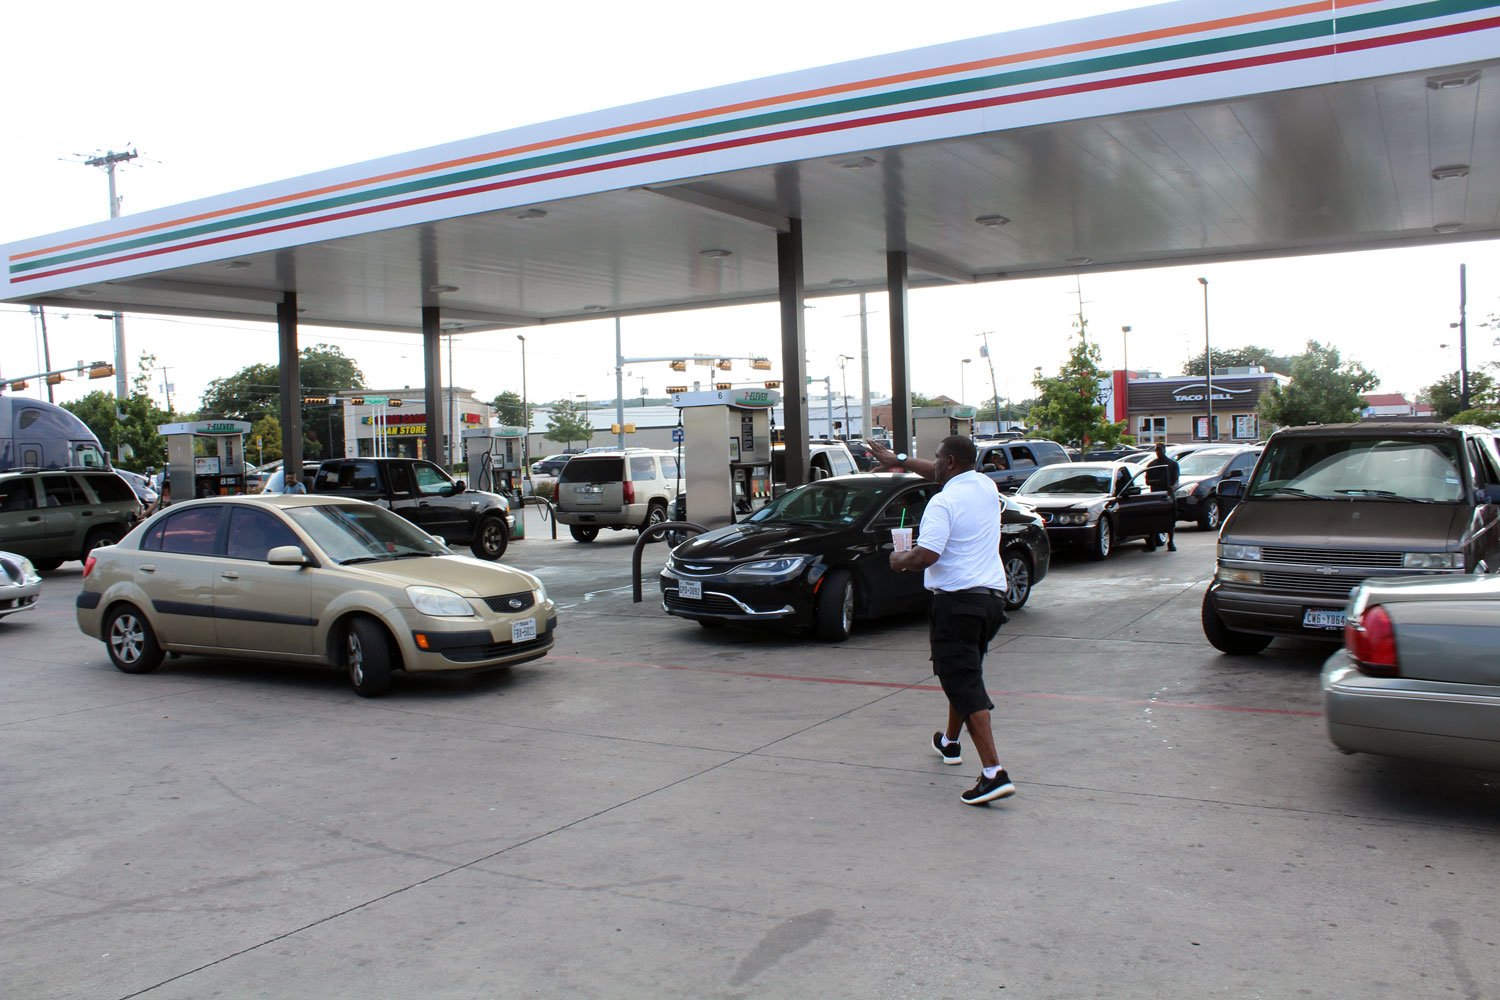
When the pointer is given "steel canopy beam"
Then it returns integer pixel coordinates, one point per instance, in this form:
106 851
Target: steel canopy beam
724 206
793 353
432 381
895 277
290 371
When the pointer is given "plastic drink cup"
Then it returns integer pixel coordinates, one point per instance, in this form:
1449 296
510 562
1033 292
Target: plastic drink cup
901 539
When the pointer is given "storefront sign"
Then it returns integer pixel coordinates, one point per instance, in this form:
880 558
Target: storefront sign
1197 393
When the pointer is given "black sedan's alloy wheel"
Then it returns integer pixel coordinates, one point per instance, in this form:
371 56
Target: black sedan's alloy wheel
1017 580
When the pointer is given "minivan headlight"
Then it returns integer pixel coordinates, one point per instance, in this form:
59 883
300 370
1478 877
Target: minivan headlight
768 569
439 603
1432 560
1228 550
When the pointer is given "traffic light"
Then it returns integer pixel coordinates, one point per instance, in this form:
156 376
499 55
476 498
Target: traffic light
356 401
314 400
394 402
101 371
55 379
760 364
773 385
630 428
614 428
723 385
725 365
18 386
673 390
679 366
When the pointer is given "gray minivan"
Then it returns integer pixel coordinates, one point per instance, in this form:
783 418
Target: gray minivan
1330 506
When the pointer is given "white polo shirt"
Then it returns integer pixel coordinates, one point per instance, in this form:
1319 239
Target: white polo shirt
962 525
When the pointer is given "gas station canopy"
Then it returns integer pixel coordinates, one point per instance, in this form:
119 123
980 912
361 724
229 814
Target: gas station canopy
1196 130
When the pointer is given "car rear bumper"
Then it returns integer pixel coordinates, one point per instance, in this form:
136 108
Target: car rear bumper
1457 724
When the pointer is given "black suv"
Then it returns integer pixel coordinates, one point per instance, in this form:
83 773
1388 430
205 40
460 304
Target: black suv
53 515
1008 463
426 496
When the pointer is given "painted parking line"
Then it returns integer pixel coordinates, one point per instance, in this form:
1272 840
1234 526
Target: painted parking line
1016 695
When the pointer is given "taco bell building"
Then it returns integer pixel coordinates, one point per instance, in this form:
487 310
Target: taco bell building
1175 410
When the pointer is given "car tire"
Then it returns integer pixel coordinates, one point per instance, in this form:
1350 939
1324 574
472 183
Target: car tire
1225 639
583 533
1017 579
98 538
367 657
490 538
836 606
1104 541
131 641
655 514
46 565
1210 519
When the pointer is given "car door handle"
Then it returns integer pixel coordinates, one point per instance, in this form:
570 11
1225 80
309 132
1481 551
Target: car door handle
148 568
87 513
230 575
34 518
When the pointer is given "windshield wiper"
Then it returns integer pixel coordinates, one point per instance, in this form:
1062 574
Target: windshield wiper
1383 494
365 559
1291 491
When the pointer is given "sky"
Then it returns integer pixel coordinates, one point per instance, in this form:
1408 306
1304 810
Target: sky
215 102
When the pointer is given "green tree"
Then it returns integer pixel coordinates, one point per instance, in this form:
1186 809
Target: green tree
1241 357
510 408
1445 394
1325 389
1068 409
564 425
268 431
1482 417
255 391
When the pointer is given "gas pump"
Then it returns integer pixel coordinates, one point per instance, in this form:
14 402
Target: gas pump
220 472
933 423
726 454
495 455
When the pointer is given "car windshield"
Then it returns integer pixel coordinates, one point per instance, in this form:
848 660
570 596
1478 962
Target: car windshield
350 533
1340 468
828 502
1068 479
1202 463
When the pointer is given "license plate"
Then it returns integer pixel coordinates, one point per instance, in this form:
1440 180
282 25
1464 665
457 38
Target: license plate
690 589
523 630
1313 618
590 497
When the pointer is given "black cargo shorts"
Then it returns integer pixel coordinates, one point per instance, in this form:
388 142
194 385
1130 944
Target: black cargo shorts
960 627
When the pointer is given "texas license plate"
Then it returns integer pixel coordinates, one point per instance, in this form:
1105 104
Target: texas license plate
523 630
690 589
1316 618
589 497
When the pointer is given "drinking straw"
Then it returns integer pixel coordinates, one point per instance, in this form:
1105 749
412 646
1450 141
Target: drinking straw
903 517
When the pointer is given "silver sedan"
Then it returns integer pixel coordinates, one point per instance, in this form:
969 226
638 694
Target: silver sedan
20 584
1419 674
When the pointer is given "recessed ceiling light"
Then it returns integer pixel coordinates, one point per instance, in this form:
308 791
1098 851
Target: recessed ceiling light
531 213
841 282
1080 261
1451 172
441 289
716 253
594 309
236 265
1453 81
991 220
855 163
1447 227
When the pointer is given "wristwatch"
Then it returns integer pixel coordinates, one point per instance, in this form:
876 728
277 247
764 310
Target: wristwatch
901 457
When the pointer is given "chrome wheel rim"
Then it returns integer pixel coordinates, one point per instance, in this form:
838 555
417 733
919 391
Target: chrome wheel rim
1211 516
1106 538
1017 580
846 609
127 638
355 653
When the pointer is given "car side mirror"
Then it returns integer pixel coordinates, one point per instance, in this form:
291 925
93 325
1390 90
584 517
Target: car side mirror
287 555
458 487
1489 494
1231 489
1131 491
989 467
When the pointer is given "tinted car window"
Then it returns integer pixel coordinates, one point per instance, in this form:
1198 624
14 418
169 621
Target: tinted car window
822 503
909 505
17 494
431 481
642 468
592 469
669 467
1022 457
63 491
1066 480
253 533
110 488
402 483
841 464
1343 467
194 531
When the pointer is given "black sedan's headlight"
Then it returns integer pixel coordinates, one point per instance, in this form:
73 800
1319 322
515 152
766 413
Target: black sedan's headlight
768 570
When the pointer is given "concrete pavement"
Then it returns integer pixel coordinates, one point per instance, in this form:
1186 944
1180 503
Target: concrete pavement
660 811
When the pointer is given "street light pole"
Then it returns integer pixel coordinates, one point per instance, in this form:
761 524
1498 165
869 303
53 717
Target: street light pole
1208 366
525 414
844 360
963 383
1125 350
1463 337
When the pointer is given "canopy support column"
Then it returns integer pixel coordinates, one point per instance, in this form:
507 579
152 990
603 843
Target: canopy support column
793 352
289 366
432 381
896 282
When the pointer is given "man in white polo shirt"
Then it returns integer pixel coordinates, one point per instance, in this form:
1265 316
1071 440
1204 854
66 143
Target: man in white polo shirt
958 551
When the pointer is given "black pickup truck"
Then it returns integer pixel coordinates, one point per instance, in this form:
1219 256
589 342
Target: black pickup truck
426 496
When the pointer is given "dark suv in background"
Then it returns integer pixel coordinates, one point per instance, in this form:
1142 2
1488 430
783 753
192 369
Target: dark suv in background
1013 461
1328 507
54 515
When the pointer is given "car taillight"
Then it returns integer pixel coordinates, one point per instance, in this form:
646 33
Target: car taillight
88 567
1372 643
629 492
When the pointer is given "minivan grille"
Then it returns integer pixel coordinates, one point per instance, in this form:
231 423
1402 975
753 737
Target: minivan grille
1308 583
1331 557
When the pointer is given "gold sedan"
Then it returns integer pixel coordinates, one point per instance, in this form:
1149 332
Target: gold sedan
310 579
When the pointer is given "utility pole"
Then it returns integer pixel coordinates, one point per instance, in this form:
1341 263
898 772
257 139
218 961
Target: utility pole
619 389
984 352
166 388
1463 336
108 161
864 371
41 315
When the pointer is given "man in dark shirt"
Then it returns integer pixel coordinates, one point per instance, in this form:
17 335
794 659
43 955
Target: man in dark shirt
1162 473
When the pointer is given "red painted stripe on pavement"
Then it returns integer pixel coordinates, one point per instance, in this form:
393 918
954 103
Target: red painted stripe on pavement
1024 695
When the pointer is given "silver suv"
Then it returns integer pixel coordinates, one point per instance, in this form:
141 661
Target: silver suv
616 489
51 516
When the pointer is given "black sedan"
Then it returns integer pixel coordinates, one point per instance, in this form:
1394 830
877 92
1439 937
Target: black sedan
1098 505
1199 474
818 557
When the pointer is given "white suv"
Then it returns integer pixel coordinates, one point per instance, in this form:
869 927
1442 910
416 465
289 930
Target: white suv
616 489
